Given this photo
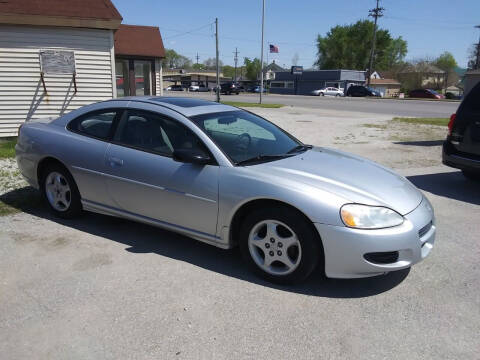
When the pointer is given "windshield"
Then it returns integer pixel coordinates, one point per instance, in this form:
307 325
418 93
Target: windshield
242 136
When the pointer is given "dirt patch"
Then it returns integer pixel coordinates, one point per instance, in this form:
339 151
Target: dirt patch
91 262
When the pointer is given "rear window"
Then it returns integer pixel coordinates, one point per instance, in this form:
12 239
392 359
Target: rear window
472 101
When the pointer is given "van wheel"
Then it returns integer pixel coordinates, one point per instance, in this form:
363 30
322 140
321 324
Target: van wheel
280 245
60 192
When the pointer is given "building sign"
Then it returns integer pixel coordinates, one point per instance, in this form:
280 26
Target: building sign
56 62
297 70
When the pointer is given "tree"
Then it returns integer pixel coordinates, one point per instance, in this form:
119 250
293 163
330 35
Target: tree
211 64
447 63
474 52
395 54
173 60
252 68
229 71
198 67
348 47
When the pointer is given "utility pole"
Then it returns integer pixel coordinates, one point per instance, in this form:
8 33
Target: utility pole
261 56
236 60
477 61
375 13
197 57
216 60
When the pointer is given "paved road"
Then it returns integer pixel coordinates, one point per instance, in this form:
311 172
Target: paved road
412 108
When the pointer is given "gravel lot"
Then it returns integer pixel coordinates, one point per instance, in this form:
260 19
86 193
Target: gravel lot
100 287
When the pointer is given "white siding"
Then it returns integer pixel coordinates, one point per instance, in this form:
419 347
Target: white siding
21 90
158 78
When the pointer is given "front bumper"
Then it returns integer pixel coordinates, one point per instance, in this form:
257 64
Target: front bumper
345 247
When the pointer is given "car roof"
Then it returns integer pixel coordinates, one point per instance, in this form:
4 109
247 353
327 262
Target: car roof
184 105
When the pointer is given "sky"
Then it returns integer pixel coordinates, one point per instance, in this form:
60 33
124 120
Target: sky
187 26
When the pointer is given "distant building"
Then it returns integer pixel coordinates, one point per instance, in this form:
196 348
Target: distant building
387 87
287 83
187 78
421 75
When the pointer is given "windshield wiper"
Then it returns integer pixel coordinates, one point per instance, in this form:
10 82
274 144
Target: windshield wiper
299 148
260 158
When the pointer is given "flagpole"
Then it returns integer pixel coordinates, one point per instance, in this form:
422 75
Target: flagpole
261 56
268 50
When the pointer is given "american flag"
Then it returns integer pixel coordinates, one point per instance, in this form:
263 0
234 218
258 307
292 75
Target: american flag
273 49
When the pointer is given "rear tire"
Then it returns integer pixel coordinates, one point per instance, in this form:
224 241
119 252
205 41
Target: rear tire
60 192
471 175
280 245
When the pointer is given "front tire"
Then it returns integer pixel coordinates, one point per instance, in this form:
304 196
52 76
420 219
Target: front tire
280 245
60 192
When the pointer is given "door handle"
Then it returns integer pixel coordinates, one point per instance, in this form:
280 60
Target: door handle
113 161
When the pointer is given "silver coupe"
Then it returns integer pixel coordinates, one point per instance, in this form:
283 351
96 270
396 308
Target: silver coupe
228 177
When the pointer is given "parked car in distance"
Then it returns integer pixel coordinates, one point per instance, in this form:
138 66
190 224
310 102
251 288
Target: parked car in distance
175 88
329 91
425 94
461 149
256 89
229 178
359 91
230 88
198 88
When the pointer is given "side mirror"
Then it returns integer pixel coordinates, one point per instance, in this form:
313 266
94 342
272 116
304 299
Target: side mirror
191 156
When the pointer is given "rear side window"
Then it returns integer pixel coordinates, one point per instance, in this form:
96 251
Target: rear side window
96 124
472 101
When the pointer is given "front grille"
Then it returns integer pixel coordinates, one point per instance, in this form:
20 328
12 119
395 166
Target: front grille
382 257
425 229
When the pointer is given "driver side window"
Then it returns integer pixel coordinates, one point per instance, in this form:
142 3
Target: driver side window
148 131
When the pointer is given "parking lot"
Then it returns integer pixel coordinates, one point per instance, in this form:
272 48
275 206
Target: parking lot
101 287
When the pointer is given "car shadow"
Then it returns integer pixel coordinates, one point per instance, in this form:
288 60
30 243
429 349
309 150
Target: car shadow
141 238
452 185
420 143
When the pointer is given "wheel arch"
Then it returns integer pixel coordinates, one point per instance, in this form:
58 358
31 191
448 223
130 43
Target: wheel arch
244 209
44 163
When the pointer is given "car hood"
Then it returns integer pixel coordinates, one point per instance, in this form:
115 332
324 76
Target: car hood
352 177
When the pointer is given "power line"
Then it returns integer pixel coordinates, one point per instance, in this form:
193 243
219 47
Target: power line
375 13
190 31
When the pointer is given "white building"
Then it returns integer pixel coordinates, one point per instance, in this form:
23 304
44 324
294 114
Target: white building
59 55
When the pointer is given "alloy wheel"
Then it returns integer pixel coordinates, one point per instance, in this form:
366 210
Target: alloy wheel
274 247
58 191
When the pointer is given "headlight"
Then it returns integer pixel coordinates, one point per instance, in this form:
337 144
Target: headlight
369 217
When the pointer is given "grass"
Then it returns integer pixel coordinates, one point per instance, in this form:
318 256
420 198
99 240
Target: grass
248 104
424 121
7 147
375 126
